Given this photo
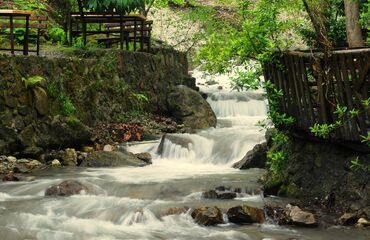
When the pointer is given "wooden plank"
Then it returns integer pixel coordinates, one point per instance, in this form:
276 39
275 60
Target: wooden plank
338 85
302 92
289 93
320 92
280 81
353 135
15 12
306 90
23 25
32 18
356 64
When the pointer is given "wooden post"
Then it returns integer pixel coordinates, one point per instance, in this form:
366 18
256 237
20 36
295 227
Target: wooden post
11 34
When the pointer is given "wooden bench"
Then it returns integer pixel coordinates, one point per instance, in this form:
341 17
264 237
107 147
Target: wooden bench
35 22
139 33
126 27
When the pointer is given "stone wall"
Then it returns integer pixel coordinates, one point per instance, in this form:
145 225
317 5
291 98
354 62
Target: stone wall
81 89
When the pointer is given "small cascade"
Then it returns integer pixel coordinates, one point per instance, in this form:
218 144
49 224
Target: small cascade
237 104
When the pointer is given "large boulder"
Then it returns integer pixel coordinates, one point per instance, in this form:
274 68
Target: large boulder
112 159
207 216
255 158
190 108
67 188
62 132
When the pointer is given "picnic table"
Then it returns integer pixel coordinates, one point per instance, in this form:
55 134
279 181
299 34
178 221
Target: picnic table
124 27
12 15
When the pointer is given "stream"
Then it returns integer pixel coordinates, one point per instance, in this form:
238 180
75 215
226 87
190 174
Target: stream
130 203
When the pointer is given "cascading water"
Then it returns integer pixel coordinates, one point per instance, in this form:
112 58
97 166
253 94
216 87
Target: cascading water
130 203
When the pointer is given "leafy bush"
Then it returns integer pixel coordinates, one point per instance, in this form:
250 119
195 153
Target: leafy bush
57 35
67 107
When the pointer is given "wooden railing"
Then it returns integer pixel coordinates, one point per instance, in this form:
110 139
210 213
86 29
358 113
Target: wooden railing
314 85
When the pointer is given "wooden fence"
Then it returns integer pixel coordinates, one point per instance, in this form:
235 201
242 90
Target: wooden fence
313 86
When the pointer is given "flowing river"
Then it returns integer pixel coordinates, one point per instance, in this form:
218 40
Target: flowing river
130 203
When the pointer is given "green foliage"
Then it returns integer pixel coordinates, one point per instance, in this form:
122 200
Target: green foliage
276 160
138 101
249 78
324 130
257 38
57 35
118 5
27 4
278 155
280 137
366 139
67 107
30 82
273 95
356 165
331 14
52 90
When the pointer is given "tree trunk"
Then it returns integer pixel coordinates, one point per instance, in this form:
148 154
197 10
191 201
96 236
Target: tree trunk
353 28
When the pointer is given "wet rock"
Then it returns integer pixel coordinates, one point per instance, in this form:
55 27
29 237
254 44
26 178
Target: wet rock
56 163
112 159
11 159
222 188
207 216
211 194
189 108
257 214
6 164
69 157
67 188
41 100
26 166
87 149
255 158
277 214
301 218
226 195
10 177
220 192
81 156
146 157
108 148
177 211
239 216
362 222
348 219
